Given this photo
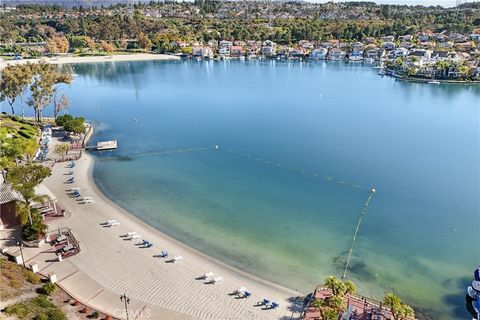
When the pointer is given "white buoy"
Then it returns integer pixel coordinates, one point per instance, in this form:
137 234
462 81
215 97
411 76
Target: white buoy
216 147
373 190
135 119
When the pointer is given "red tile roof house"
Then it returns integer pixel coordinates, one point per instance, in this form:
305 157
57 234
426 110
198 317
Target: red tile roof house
237 51
358 307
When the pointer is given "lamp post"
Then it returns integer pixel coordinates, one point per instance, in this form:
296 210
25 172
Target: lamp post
125 300
19 244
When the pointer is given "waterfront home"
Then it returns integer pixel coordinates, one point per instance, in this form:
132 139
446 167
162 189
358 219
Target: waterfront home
336 54
224 51
389 45
237 51
388 38
269 48
357 46
419 56
239 43
457 37
458 56
355 55
464 46
297 53
268 43
319 54
225 44
202 52
369 40
282 52
252 52
375 53
181 44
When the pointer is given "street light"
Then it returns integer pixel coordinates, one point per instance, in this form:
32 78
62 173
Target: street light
19 244
125 300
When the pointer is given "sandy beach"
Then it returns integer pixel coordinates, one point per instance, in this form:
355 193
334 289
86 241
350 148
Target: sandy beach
92 59
109 265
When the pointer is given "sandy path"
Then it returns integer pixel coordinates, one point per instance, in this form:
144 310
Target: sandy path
119 266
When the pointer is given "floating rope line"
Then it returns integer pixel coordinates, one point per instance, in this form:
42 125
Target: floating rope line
362 214
157 153
295 170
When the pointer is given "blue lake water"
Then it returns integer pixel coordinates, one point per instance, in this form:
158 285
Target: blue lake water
300 146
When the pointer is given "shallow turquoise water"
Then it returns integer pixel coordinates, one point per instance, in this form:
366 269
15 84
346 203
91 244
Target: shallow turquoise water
300 146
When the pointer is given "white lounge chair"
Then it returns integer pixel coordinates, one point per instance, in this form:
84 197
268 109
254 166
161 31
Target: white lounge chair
133 236
177 258
129 234
112 223
208 275
213 280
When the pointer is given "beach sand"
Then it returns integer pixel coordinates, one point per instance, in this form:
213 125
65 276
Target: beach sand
109 265
92 59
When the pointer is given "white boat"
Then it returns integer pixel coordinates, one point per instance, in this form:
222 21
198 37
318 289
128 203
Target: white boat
434 82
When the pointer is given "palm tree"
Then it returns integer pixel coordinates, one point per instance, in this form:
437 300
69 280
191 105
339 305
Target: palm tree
336 285
350 287
318 304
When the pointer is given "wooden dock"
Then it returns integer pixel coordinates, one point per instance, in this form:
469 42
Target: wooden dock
104 145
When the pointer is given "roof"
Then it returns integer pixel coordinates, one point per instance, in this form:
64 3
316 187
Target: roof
7 194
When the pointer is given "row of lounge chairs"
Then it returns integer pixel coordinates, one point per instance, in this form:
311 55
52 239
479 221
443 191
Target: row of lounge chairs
75 192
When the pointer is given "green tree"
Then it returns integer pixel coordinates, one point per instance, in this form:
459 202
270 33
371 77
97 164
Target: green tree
43 87
14 79
336 285
144 41
399 310
61 149
24 179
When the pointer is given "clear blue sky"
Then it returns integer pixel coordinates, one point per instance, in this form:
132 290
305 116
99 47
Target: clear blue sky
444 3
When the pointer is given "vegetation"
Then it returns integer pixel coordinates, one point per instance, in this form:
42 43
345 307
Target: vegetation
400 311
14 280
24 179
41 79
48 288
61 149
71 124
36 308
17 141
331 307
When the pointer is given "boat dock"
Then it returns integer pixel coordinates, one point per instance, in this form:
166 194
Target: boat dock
104 145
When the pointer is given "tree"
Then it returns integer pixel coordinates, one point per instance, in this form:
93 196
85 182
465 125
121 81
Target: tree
14 80
59 104
144 41
57 44
61 149
76 125
24 179
336 285
107 47
43 87
399 310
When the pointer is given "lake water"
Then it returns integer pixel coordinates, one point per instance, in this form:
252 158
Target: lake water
300 147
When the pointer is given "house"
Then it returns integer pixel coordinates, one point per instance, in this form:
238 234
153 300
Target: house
423 37
336 54
374 53
268 48
405 38
8 199
355 55
268 43
239 43
225 43
297 52
475 37
457 37
420 53
457 56
440 55
318 54
237 51
369 40
224 51
400 52
307 45
388 38
407 45
357 46
202 52
389 45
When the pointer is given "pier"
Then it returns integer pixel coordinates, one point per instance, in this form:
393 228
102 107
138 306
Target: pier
104 145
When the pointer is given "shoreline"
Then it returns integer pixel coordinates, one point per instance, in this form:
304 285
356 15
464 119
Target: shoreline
113 264
92 59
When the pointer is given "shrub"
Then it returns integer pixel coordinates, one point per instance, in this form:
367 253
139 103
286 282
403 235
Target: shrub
31 277
84 310
15 284
34 231
48 288
94 315
38 308
42 316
